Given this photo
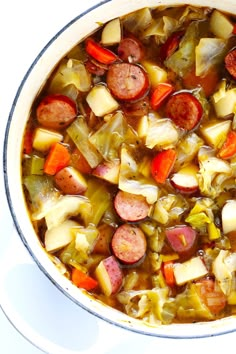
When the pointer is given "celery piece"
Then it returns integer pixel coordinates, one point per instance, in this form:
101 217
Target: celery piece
149 227
79 133
213 231
71 256
37 164
100 200
198 220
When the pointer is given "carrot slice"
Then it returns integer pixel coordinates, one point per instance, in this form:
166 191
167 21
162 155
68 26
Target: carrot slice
168 271
101 54
228 149
58 158
162 164
161 92
82 280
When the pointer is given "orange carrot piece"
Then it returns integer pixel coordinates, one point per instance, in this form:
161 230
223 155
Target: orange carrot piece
161 92
168 271
82 280
58 158
228 149
101 54
162 164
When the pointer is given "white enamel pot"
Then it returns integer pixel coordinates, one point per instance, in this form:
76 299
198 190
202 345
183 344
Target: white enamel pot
57 47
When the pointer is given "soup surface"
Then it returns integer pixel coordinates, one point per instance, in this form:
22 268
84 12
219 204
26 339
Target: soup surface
129 164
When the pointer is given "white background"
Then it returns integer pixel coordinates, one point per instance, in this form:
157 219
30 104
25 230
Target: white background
25 28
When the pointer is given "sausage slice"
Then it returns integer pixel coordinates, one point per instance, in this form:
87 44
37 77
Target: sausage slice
230 63
131 207
184 109
183 240
131 50
56 111
127 82
129 244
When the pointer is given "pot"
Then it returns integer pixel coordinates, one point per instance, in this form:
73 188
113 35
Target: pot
80 27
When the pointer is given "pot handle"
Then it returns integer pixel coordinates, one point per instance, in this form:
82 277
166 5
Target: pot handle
14 257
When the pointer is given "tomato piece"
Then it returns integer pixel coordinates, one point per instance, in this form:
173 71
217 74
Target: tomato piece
99 53
208 82
161 92
228 149
211 295
162 164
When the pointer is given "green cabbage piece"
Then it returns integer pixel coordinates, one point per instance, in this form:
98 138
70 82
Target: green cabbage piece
223 267
190 307
209 52
109 138
183 60
153 306
42 194
131 180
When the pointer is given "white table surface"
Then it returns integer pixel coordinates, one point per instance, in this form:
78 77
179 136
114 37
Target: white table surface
25 27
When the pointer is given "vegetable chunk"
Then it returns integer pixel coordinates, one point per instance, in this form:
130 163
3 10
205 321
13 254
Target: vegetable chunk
109 275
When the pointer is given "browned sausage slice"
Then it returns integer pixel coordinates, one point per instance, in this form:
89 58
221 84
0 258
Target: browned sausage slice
56 111
127 82
183 240
131 50
131 207
184 109
230 63
129 244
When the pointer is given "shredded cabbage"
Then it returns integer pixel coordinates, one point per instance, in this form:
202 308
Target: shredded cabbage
132 181
209 52
151 305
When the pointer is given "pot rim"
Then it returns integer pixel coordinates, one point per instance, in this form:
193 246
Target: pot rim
114 317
